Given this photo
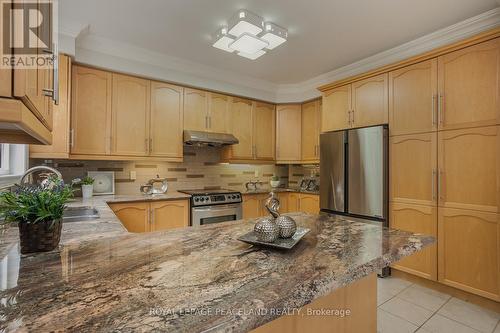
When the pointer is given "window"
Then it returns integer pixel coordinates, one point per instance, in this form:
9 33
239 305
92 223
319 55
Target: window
4 159
13 163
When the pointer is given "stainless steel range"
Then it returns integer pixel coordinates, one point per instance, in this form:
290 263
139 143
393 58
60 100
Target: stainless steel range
214 206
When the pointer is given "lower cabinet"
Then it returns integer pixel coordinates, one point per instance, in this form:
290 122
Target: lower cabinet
155 216
254 204
417 219
469 251
309 203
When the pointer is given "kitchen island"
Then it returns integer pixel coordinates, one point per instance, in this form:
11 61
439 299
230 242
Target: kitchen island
193 279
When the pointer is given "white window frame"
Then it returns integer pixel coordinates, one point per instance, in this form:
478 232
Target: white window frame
5 160
15 163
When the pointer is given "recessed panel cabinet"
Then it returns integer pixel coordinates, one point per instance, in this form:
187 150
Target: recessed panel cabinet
288 133
195 110
311 119
241 125
336 112
264 131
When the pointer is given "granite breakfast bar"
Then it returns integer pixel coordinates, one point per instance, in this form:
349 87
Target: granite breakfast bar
195 279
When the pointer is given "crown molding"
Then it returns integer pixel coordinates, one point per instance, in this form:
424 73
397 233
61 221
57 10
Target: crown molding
105 53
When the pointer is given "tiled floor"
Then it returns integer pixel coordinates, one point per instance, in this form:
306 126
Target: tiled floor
407 307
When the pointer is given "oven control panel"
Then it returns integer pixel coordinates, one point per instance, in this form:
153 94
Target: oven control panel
215 199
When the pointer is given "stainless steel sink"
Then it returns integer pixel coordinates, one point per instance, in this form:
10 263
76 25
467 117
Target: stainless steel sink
79 214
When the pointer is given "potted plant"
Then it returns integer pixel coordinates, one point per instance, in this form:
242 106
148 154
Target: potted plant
275 181
87 187
38 213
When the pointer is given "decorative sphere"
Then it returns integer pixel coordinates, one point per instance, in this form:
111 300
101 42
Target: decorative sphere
286 225
266 230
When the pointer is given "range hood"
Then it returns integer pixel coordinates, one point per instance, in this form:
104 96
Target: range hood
198 138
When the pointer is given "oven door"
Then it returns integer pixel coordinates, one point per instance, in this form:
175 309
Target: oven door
215 214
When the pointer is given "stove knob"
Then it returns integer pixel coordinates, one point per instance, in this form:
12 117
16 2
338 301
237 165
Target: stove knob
196 199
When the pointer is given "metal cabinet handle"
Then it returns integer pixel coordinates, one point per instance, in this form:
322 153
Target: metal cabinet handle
150 145
440 109
352 118
440 185
349 117
146 144
71 137
433 110
210 122
54 92
433 185
206 122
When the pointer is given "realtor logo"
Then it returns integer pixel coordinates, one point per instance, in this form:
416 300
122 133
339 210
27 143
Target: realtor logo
27 32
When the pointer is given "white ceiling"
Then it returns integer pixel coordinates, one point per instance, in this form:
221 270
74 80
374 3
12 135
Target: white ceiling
324 35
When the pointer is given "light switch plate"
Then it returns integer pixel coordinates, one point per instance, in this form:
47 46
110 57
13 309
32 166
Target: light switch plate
133 175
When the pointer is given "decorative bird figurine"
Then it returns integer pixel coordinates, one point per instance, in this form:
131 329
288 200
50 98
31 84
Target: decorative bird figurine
273 205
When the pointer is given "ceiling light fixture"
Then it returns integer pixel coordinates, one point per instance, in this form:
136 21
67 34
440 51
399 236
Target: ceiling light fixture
249 35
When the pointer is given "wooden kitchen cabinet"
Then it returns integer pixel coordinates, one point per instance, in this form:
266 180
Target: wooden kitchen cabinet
288 133
417 219
91 111
370 101
413 168
141 217
413 98
335 114
166 108
195 110
293 202
253 205
311 119
133 215
218 108
169 214
469 169
241 125
469 251
308 203
130 116
469 86
264 131
60 146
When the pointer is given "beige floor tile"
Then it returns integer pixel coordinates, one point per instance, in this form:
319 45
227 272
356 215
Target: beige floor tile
391 285
425 297
440 324
408 311
497 330
470 315
388 323
383 296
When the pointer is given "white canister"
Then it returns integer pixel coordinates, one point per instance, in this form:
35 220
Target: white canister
87 191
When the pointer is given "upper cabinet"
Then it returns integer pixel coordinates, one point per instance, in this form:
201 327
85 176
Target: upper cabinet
61 126
253 124
195 110
359 104
218 106
130 116
288 133
166 108
469 89
370 101
91 111
413 98
311 119
336 113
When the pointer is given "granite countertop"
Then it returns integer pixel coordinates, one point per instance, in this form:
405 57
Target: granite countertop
279 190
191 279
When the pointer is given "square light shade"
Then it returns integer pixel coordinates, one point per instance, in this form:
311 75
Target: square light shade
274 35
245 21
222 40
252 56
248 43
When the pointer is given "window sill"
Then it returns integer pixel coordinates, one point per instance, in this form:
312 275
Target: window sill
8 180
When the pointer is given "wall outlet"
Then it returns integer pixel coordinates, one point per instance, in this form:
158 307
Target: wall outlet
133 175
256 173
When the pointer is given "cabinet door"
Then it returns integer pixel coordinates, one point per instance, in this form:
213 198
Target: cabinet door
413 98
218 108
370 101
310 131
91 111
241 125
417 219
133 215
195 110
469 250
130 116
166 110
469 86
283 198
413 168
252 206
264 131
288 133
293 202
61 127
469 168
169 214
336 109
309 203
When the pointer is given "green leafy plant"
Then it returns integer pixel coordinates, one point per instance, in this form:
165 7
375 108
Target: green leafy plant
275 178
28 204
87 180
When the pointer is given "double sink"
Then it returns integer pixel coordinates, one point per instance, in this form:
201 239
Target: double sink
80 214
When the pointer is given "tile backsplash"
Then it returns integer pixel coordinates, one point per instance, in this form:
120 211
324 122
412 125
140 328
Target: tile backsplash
201 169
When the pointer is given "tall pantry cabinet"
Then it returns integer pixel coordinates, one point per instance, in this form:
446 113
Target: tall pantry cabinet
444 117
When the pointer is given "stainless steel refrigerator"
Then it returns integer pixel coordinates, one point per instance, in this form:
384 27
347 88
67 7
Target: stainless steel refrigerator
354 173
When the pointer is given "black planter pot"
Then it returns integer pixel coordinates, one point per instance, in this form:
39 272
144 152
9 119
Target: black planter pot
39 237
